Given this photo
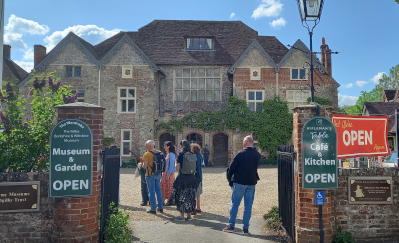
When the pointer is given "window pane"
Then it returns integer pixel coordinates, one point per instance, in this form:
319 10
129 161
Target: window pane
68 71
298 95
209 72
194 83
178 95
201 72
123 107
186 72
178 72
258 104
126 135
77 72
294 73
186 83
186 95
194 72
196 43
251 106
131 105
209 95
131 93
251 95
290 105
217 83
290 95
209 83
123 93
81 93
217 95
302 74
73 91
216 72
126 145
189 43
80 100
208 44
201 95
179 83
259 95
202 43
194 95
201 83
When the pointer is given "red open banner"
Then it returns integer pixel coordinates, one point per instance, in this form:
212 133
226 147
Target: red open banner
361 135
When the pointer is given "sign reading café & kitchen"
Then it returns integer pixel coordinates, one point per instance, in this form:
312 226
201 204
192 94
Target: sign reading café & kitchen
319 154
71 151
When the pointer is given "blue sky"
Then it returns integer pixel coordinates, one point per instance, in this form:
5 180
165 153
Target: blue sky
363 31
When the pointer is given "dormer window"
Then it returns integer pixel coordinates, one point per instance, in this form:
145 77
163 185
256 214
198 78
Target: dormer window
199 43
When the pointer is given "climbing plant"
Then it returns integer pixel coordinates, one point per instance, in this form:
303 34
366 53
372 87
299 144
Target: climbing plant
320 101
272 122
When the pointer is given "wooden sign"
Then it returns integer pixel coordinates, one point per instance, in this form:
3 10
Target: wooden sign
370 190
19 196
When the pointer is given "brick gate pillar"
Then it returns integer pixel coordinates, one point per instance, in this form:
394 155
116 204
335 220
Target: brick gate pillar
76 218
306 212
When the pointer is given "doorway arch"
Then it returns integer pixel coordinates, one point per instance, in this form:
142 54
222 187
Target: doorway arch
220 149
166 137
195 138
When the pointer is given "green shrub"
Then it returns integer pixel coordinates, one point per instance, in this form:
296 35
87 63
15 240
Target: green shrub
343 237
273 220
320 101
270 162
131 164
107 141
117 231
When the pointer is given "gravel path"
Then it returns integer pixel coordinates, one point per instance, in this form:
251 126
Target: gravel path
215 201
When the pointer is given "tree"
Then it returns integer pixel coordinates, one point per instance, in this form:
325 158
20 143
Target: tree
397 1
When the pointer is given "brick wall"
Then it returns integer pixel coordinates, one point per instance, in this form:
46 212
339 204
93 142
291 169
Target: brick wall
367 221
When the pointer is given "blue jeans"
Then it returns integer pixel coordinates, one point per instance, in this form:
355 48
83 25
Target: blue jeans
154 187
239 191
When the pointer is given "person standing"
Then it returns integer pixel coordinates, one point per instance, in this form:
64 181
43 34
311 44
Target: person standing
195 148
206 155
144 188
244 175
168 176
153 180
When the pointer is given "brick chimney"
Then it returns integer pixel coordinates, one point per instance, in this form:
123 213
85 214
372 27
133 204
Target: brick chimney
326 56
7 51
39 53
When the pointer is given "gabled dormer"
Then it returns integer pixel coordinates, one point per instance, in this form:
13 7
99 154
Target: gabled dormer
199 39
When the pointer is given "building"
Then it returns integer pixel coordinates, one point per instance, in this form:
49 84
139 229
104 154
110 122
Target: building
11 71
169 68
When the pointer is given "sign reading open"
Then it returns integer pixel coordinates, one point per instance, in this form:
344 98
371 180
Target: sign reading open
361 135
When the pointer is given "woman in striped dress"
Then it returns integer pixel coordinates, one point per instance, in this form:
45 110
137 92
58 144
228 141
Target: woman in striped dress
168 176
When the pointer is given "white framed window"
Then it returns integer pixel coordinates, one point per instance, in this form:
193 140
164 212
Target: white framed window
73 71
255 99
199 43
297 97
298 73
198 84
81 93
127 100
255 73
126 141
127 71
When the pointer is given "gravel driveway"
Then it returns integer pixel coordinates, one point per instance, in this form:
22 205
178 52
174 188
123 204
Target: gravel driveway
214 201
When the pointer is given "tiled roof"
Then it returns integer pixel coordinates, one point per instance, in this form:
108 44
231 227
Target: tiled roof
390 94
12 71
383 109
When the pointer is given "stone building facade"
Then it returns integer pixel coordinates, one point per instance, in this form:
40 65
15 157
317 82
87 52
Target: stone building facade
169 68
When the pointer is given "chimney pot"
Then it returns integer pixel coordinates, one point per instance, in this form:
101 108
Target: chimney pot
7 51
39 53
323 40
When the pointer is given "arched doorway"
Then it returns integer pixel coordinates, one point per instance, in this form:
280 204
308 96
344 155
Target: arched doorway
195 138
220 149
166 137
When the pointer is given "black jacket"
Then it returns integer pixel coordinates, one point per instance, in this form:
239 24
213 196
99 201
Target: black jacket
244 169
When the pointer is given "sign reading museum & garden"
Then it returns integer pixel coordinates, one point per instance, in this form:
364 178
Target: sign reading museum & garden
71 159
319 154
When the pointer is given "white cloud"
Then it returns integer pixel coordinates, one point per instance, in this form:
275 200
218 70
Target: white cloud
278 23
29 55
377 77
28 66
15 40
98 33
268 8
20 25
346 100
348 85
361 83
232 15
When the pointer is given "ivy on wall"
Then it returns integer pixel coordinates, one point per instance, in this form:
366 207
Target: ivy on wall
272 122
320 101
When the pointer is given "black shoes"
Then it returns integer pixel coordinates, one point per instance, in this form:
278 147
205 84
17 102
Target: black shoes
160 210
152 212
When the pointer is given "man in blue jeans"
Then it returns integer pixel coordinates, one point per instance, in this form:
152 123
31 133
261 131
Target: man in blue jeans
153 180
243 172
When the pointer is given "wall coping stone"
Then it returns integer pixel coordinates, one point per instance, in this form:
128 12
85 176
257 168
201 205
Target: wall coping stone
79 105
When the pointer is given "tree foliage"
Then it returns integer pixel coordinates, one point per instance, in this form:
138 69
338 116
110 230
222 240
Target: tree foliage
25 142
319 100
272 123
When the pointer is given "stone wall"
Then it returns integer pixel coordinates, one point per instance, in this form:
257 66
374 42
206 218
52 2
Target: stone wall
367 221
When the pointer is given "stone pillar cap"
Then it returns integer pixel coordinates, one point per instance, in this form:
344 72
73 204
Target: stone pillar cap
79 105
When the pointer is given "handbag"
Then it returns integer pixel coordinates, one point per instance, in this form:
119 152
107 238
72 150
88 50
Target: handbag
138 170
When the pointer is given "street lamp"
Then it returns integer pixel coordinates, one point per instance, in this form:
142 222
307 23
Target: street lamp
310 10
